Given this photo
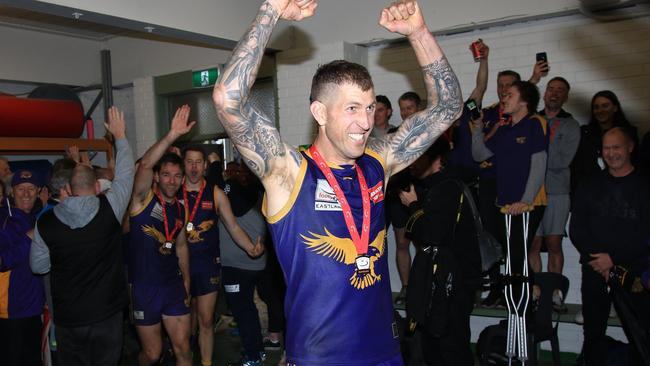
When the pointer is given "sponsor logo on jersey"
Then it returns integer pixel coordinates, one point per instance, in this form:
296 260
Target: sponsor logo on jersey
377 193
325 198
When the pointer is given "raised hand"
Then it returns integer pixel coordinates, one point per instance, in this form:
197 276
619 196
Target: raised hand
540 70
73 153
294 9
116 125
403 17
179 125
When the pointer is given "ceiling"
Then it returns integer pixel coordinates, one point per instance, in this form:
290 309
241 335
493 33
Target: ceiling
69 26
61 20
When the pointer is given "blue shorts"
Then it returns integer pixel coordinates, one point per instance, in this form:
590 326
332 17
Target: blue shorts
150 303
205 282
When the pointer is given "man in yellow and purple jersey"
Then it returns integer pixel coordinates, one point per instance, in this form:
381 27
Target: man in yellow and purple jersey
325 205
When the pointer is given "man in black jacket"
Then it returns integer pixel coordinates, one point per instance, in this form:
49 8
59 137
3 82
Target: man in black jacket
610 226
440 216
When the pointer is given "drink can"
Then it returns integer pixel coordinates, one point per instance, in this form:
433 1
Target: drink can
476 50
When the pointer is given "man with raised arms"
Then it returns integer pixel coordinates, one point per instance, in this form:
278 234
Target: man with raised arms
158 254
325 205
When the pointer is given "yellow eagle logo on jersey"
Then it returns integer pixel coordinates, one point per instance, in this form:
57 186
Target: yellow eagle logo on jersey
194 236
159 237
344 251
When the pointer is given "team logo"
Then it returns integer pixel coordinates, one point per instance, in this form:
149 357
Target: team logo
165 248
521 140
26 175
343 250
325 198
194 236
207 205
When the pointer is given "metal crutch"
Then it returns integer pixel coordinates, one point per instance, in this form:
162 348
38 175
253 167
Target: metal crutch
516 332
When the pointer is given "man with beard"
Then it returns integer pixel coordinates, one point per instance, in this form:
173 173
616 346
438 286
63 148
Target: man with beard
325 205
564 137
203 203
159 257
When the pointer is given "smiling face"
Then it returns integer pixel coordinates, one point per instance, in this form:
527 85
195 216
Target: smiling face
345 120
617 150
603 110
169 180
407 107
556 95
504 82
25 195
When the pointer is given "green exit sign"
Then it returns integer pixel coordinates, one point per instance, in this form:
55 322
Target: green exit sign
203 78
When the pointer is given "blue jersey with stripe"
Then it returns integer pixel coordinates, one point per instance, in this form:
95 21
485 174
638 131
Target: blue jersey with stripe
203 240
335 315
150 263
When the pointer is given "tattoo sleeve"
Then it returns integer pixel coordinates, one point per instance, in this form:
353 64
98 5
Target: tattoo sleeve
253 133
418 132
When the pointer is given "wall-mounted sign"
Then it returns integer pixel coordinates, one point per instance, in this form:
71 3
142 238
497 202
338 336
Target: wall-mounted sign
203 78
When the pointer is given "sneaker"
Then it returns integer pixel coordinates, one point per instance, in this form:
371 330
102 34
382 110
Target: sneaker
269 345
579 319
257 362
401 297
493 299
245 361
558 302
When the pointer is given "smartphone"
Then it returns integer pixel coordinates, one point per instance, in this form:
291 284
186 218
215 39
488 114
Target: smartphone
541 56
474 112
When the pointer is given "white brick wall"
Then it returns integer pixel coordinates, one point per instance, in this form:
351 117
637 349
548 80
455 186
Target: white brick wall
591 56
144 107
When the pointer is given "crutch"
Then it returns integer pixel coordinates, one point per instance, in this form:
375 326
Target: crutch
516 332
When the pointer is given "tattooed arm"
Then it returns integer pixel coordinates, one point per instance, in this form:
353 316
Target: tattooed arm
419 131
253 133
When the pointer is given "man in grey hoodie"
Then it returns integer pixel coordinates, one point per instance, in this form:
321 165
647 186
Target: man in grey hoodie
564 137
79 243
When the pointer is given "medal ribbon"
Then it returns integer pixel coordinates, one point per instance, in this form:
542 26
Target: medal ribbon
196 204
360 242
168 236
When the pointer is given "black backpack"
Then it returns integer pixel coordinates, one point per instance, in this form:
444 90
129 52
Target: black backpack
432 282
491 345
